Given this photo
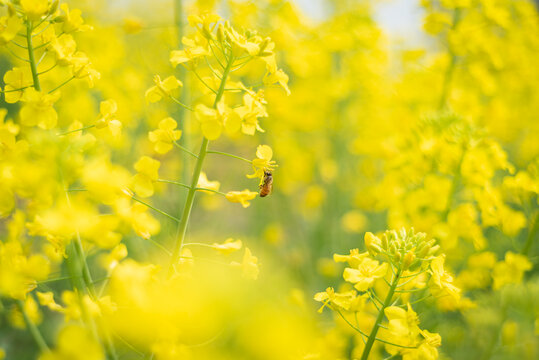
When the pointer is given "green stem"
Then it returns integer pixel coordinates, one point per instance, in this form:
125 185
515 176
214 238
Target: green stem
210 190
174 183
365 335
31 57
534 226
80 266
53 280
185 149
182 228
33 328
62 84
180 103
72 131
156 209
86 276
374 331
448 76
230 155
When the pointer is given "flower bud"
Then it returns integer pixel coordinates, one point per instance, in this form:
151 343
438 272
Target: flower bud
372 243
11 10
408 260
384 242
433 250
220 33
53 7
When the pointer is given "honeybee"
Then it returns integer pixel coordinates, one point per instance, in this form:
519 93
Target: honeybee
266 186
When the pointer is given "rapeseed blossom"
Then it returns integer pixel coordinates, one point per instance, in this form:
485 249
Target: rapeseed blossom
117 232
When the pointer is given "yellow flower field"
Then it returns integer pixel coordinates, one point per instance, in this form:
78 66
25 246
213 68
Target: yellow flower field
268 180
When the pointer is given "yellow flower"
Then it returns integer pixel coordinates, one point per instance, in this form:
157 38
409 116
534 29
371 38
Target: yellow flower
403 324
250 111
47 299
442 281
107 117
330 297
72 20
242 197
132 25
35 9
38 109
16 80
81 67
210 122
162 89
112 259
147 169
204 23
9 27
263 162
366 273
76 343
510 271
249 265
64 47
251 45
32 310
204 183
373 243
187 54
278 77
165 135
354 259
230 245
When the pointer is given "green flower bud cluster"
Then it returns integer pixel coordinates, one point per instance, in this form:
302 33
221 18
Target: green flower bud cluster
407 248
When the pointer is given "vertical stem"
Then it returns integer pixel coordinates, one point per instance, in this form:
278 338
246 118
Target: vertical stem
77 265
33 328
31 57
74 269
374 331
451 66
196 174
533 227
87 277
180 111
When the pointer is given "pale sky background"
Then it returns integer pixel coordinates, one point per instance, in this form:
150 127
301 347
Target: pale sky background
399 18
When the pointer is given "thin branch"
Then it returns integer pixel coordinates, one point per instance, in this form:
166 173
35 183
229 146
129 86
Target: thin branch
62 84
186 150
212 69
155 209
17 56
49 69
211 190
203 82
230 155
72 131
180 103
159 246
174 182
19 45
